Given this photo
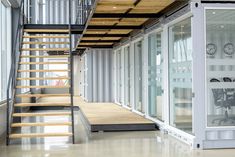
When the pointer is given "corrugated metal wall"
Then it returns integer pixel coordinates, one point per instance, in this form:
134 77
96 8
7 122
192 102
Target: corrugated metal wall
57 12
98 73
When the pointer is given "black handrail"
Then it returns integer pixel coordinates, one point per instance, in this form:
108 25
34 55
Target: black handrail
17 45
15 57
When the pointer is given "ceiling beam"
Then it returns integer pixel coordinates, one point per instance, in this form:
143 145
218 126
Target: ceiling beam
129 15
113 27
75 29
95 46
98 41
106 35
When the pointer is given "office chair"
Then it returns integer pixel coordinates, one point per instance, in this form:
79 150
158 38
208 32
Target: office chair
223 98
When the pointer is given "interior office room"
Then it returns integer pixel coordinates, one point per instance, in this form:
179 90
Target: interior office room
117 78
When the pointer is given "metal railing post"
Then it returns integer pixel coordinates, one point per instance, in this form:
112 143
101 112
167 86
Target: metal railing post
13 71
71 70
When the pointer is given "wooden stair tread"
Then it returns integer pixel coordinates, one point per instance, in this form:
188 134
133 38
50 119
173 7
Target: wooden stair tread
51 56
41 104
41 114
44 62
67 86
41 124
45 49
42 95
48 36
31 135
47 30
31 42
43 78
65 70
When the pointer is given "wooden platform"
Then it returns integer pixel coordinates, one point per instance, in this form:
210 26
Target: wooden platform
108 116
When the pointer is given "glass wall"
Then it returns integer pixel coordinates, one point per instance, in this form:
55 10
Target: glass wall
155 86
220 63
118 75
59 82
138 46
127 76
180 75
5 48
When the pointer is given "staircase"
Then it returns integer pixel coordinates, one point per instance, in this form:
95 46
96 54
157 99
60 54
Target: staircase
38 47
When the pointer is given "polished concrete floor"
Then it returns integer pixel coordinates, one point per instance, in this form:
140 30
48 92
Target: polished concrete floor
108 144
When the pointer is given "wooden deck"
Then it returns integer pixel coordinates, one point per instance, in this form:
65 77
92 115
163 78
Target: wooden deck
108 116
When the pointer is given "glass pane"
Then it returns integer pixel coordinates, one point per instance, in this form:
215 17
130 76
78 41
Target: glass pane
155 75
127 75
220 61
180 75
117 75
4 49
138 76
58 82
120 77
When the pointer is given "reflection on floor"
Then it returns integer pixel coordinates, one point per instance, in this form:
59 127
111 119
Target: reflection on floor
109 144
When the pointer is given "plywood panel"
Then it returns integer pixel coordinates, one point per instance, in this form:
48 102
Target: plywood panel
103 113
119 2
113 31
111 38
111 9
88 44
122 31
155 3
123 6
132 21
91 38
104 21
95 31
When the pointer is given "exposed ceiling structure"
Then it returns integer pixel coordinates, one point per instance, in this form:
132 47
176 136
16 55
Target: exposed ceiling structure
113 20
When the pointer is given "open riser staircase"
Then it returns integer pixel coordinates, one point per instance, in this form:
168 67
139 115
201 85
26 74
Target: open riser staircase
41 55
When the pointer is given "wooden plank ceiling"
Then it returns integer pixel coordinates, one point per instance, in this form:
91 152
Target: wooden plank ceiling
115 19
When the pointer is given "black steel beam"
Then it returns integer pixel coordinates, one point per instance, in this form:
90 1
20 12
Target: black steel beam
75 29
78 50
214 1
114 27
106 35
98 41
128 15
53 26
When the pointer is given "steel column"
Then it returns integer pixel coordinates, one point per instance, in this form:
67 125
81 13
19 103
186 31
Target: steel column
71 71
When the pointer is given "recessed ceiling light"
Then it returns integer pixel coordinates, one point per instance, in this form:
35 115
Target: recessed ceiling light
114 7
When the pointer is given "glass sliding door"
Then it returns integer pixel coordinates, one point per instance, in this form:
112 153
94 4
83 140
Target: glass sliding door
220 67
138 75
155 86
118 76
5 48
127 76
180 75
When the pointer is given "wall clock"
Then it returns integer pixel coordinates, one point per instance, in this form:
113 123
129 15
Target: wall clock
211 49
229 49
